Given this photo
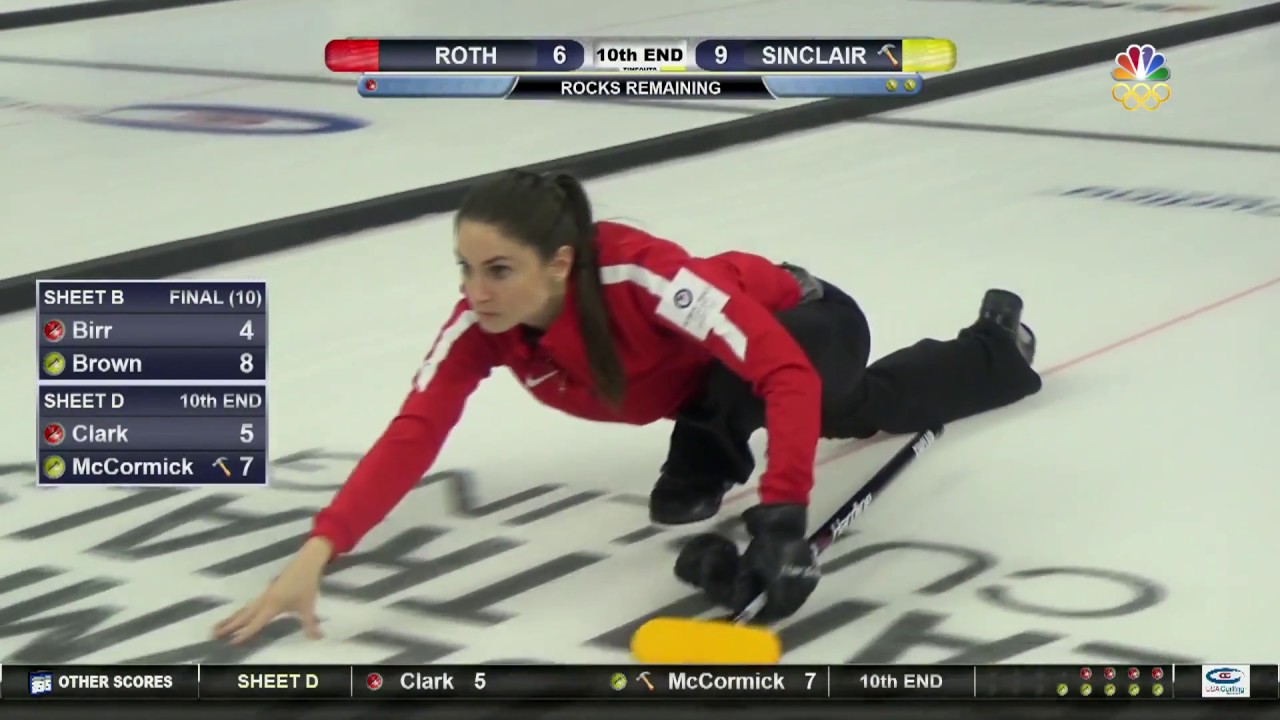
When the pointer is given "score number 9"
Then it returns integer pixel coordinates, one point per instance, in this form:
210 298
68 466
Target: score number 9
721 54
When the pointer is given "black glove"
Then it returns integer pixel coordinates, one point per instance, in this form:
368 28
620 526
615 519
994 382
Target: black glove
710 563
778 561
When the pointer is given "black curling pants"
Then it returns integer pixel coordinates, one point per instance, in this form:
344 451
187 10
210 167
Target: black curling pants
907 391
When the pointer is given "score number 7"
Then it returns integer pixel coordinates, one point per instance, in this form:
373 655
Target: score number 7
812 676
221 464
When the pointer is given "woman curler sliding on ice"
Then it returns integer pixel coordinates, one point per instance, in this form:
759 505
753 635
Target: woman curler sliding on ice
608 323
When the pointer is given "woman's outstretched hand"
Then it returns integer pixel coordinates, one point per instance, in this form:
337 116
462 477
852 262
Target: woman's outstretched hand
293 592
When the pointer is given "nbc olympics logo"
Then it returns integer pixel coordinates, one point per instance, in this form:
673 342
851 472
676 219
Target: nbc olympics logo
1140 74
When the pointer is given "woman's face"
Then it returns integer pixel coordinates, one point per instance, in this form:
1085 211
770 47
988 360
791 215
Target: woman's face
506 282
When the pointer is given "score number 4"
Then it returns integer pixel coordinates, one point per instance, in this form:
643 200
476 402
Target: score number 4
246 359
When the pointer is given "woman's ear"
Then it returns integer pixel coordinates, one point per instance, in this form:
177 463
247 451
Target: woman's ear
562 263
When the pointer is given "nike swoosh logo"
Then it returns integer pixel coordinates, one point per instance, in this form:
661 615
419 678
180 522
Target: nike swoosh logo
535 382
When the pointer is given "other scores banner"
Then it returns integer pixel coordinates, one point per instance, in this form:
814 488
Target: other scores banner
625 682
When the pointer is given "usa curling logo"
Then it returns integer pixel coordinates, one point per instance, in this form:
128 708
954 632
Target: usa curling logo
1224 681
1140 74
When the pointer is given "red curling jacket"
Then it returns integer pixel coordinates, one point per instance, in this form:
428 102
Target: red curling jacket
673 315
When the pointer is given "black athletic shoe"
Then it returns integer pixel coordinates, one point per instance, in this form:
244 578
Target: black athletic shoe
1005 309
680 501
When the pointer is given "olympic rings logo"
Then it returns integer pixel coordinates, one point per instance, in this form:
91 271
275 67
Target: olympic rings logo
1140 96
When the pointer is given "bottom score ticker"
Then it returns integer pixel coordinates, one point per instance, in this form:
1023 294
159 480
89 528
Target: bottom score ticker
597 682
639 86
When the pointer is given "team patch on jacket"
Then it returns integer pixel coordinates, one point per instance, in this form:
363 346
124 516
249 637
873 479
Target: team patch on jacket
692 304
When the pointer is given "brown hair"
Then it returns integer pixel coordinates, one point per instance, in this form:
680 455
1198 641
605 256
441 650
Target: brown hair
547 212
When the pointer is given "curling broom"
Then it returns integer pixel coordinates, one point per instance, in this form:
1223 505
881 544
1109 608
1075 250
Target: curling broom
693 641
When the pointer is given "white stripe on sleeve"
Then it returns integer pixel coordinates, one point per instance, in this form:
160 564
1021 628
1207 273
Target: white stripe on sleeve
448 336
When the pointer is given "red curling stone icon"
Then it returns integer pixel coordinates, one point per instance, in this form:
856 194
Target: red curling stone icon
54 434
54 330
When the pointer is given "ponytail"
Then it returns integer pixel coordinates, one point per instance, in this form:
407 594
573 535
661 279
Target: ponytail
593 316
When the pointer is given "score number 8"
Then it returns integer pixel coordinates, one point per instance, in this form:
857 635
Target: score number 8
246 359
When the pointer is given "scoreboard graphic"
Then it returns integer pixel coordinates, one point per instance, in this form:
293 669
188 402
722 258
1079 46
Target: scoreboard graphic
691 68
151 383
1048 683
